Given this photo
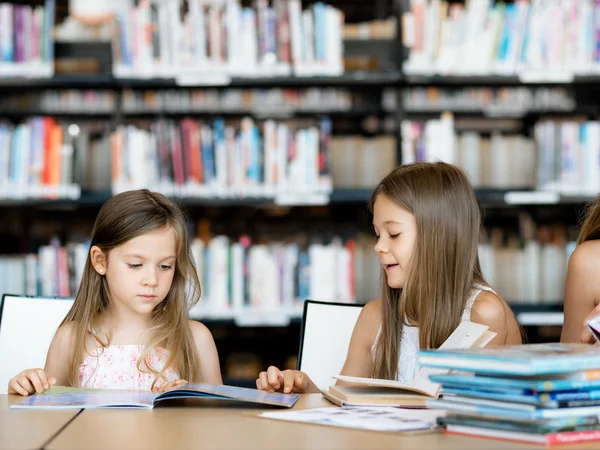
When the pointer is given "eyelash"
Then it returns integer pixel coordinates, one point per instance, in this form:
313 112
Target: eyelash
137 266
392 236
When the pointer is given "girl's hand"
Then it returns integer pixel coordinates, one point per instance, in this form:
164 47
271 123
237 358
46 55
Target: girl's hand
164 387
30 381
288 381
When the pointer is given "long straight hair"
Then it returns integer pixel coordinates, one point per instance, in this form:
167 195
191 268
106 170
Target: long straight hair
445 263
590 229
122 218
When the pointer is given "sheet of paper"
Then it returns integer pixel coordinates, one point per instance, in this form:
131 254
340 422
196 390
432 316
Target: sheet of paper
368 418
594 326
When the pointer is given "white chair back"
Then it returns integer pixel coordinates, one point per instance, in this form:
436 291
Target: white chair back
27 327
325 336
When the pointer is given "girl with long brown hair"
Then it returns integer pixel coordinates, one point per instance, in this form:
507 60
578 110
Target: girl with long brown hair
582 290
427 222
128 327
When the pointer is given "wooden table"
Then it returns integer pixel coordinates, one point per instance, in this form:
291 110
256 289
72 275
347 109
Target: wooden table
28 430
225 428
209 428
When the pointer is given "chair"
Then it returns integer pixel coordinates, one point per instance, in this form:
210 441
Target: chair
324 339
27 327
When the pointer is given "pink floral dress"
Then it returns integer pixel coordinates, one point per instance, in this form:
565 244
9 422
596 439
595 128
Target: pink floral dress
115 367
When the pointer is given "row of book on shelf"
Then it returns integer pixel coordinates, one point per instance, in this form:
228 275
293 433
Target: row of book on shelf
562 157
26 42
276 274
537 40
190 158
197 159
267 158
213 41
494 102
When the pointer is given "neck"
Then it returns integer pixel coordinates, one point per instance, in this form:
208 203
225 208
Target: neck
117 317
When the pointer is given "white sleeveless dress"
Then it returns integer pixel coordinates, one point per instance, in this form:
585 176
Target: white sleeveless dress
409 346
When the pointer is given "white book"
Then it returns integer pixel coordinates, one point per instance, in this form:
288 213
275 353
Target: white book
198 29
31 274
48 273
343 282
27 33
592 157
308 37
270 153
219 270
295 19
237 276
289 274
322 272
469 160
234 36
283 138
214 26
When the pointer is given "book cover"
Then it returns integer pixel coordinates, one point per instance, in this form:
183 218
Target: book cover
531 359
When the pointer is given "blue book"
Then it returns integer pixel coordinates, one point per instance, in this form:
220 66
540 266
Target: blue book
100 398
566 399
578 381
532 359
492 408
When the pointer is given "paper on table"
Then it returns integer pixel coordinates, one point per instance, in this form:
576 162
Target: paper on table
367 418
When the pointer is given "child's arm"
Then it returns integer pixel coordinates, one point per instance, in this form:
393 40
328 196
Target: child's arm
359 360
210 370
489 309
59 356
33 381
582 292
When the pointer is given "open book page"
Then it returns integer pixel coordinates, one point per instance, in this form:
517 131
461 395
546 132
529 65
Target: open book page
62 397
594 326
373 382
366 418
88 399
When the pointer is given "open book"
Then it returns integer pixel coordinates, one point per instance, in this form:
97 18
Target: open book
369 391
72 398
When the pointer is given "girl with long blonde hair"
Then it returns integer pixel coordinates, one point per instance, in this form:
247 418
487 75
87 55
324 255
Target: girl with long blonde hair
427 222
128 327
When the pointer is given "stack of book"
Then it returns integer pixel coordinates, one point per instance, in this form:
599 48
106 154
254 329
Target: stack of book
539 393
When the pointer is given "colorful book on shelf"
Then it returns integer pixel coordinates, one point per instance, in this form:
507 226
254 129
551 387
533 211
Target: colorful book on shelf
531 359
370 391
66 398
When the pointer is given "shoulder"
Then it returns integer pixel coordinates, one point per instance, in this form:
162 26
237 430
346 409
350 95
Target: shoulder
63 342
586 258
201 334
65 333
489 309
369 320
371 313
373 308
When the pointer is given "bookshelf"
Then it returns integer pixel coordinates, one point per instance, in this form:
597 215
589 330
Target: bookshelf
371 110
